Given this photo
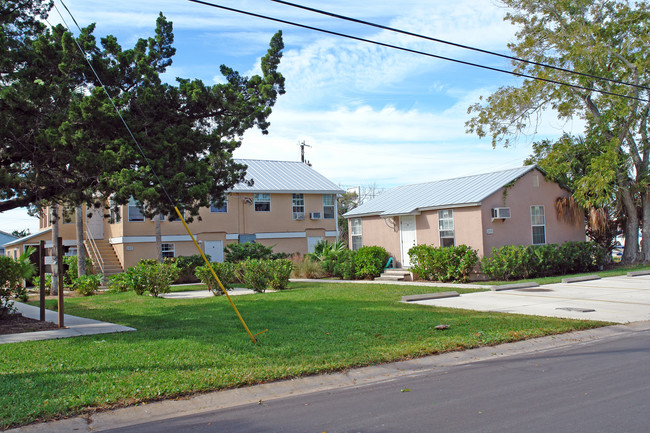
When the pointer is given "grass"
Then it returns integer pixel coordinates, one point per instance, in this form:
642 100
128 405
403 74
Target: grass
198 345
617 270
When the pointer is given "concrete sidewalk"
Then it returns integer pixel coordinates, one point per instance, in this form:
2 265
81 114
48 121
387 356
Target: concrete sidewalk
74 326
619 299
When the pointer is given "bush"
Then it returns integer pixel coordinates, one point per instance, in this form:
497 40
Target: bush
443 263
12 275
48 283
279 271
154 278
345 267
70 275
87 284
370 261
226 272
187 267
120 282
235 253
255 275
515 262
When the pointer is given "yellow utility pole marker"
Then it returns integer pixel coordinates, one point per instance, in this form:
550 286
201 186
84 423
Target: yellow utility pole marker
207 262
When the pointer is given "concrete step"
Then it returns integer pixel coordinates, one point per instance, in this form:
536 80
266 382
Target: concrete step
395 275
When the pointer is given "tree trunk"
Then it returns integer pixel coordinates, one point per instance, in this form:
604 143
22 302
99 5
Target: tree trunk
158 230
81 251
631 251
645 233
55 252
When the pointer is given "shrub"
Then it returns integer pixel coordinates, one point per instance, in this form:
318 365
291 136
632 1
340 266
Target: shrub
87 284
154 278
345 267
307 268
187 266
12 275
279 271
235 253
370 261
226 272
443 263
120 282
255 275
514 262
71 274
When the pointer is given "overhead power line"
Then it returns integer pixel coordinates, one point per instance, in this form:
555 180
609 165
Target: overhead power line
408 50
454 44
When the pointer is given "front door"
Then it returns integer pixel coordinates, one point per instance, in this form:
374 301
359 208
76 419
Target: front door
95 223
407 237
214 249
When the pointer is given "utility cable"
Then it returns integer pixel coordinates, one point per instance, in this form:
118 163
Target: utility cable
205 259
408 50
454 44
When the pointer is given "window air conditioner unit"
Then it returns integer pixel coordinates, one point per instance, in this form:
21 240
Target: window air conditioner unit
314 215
500 213
299 215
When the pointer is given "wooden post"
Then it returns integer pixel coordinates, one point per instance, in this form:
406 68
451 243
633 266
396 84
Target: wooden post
59 263
41 274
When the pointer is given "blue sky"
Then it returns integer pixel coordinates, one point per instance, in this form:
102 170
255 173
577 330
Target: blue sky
373 116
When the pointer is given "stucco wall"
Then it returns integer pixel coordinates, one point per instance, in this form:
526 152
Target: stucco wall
380 232
519 198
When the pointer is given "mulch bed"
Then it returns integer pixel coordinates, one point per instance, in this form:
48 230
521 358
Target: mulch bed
17 323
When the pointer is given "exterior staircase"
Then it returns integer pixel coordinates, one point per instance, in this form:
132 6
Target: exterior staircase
103 256
394 275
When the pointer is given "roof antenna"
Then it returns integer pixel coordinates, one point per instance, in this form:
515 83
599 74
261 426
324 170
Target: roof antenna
302 152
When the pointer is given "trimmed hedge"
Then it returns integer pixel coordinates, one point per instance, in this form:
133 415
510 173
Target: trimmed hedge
443 263
370 261
516 262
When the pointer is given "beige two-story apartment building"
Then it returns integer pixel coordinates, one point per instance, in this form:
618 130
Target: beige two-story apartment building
289 206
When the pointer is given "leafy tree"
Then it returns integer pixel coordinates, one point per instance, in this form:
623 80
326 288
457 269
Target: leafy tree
595 200
346 202
603 38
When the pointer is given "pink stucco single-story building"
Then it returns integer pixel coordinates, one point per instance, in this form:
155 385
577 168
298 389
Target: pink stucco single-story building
510 207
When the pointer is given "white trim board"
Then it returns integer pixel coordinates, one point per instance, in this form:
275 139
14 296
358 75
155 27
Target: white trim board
147 239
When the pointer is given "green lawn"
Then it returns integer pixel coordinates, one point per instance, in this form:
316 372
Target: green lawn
616 270
184 346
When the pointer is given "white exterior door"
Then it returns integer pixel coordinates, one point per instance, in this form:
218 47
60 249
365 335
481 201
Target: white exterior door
95 224
311 243
407 237
214 249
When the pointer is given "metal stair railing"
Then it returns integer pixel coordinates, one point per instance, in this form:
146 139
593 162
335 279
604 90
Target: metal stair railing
93 251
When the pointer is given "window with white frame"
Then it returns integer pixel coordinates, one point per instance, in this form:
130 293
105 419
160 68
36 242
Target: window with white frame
135 210
538 225
262 202
220 209
329 201
168 251
298 206
446 227
356 233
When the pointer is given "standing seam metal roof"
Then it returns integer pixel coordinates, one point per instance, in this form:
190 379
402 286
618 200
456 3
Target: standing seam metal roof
409 199
285 177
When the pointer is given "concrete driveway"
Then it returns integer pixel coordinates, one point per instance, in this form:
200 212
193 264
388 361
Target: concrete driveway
620 299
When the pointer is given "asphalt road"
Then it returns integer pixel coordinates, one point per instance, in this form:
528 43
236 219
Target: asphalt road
602 386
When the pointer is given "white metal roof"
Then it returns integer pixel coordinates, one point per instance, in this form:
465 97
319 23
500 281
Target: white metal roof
284 177
461 191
